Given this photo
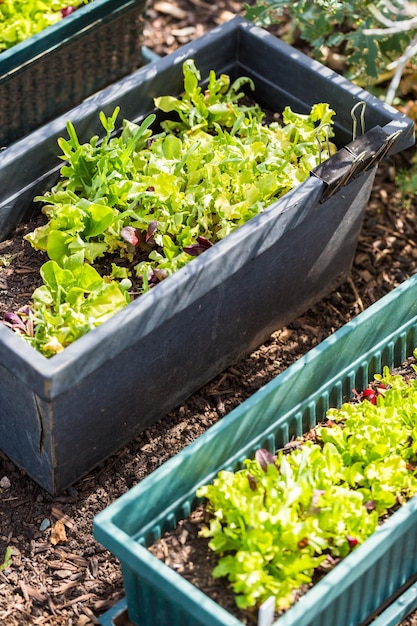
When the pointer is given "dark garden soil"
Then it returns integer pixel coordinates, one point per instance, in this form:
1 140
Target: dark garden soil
59 575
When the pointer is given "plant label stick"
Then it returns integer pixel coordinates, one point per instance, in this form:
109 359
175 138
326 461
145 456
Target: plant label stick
266 612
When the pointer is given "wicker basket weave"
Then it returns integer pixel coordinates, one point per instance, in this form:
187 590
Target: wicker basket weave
56 69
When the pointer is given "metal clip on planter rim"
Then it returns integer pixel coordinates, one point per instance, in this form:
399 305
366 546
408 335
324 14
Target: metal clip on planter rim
362 104
354 159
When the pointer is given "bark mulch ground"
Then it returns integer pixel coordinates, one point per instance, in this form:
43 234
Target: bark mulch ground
59 575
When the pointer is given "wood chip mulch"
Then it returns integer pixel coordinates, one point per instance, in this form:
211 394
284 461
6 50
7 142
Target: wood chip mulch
58 574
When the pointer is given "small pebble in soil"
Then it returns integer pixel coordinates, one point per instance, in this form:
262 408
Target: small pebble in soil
45 524
5 483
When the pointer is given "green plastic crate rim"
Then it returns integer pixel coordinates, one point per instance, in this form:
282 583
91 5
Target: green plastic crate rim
383 335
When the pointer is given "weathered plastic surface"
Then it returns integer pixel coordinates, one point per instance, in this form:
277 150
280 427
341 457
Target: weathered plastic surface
369 579
60 417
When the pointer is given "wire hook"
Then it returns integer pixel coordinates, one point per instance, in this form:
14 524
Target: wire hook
319 142
362 104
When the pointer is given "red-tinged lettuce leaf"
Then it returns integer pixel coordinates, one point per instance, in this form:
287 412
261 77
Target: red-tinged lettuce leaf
265 458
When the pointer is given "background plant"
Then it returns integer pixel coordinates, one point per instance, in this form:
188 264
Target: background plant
20 19
7 561
377 38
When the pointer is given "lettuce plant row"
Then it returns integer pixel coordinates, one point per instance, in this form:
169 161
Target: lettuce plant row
152 197
286 517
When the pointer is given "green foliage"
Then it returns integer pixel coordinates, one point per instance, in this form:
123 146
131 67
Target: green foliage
7 559
277 519
372 34
406 180
202 176
158 200
20 19
72 302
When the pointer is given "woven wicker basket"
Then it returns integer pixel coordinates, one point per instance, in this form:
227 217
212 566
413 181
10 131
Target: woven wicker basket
59 67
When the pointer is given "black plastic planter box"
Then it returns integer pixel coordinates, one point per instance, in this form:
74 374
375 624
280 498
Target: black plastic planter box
57 68
380 573
61 417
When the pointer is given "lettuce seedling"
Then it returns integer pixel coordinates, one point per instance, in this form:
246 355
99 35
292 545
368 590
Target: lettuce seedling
156 200
72 302
282 516
200 178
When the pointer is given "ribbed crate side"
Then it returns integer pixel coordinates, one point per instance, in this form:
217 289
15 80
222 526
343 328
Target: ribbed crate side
349 607
151 605
364 597
406 547
375 585
146 603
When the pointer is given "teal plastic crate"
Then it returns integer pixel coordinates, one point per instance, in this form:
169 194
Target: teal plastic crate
59 67
374 579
